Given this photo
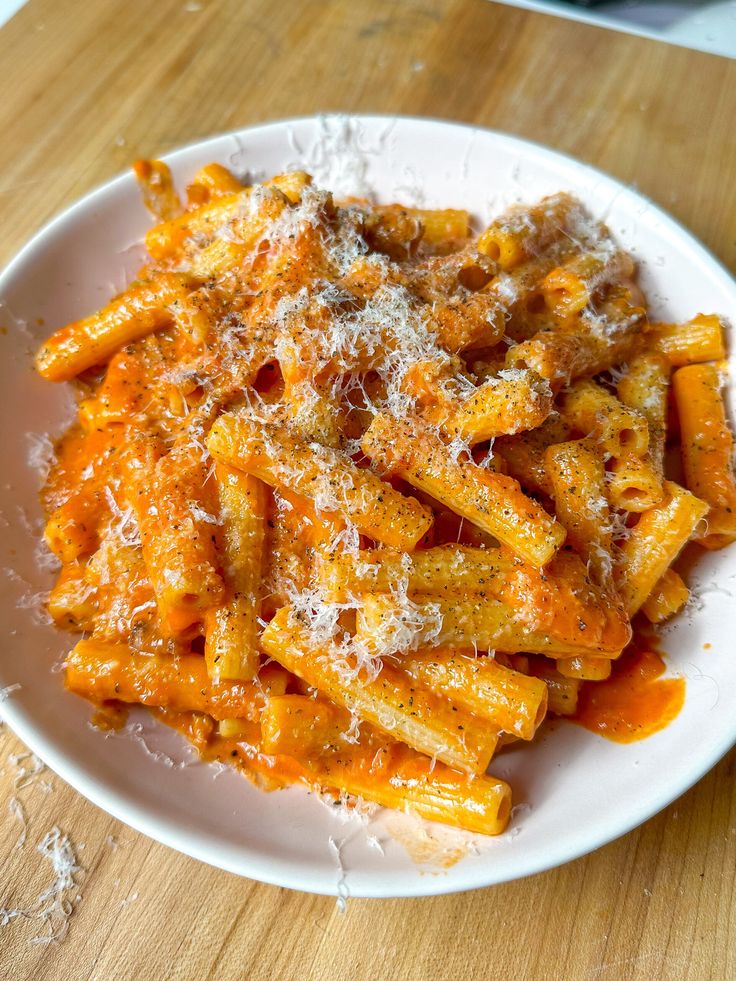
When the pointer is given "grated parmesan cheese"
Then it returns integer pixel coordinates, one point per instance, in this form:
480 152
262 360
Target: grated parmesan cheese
16 810
125 530
343 893
29 768
53 907
8 690
338 157
41 454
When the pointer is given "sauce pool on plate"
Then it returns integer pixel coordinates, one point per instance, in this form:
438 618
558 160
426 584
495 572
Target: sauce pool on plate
635 702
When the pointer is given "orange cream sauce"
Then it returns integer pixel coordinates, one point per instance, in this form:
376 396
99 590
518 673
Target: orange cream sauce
636 701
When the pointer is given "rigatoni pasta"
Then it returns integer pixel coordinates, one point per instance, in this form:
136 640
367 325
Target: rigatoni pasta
492 501
576 476
364 497
707 448
231 628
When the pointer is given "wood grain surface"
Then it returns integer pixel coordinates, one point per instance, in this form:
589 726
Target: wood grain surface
87 87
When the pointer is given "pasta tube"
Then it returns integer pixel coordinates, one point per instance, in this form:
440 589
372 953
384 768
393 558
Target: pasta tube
385 626
707 448
490 500
391 701
555 601
157 187
328 477
570 287
478 320
442 225
213 180
231 630
299 725
668 597
562 692
577 480
164 240
643 386
443 569
511 701
586 668
313 415
655 542
170 501
143 308
102 671
72 531
700 339
511 402
524 231
73 600
296 534
633 484
561 358
523 455
592 411
380 769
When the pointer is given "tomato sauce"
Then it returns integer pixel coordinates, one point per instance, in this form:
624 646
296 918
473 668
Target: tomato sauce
636 701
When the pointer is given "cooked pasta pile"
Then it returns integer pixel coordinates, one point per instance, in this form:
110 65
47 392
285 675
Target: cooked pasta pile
356 498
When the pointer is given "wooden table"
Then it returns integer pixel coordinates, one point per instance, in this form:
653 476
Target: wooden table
89 87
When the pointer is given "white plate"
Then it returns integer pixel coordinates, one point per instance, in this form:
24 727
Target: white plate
710 27
579 790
